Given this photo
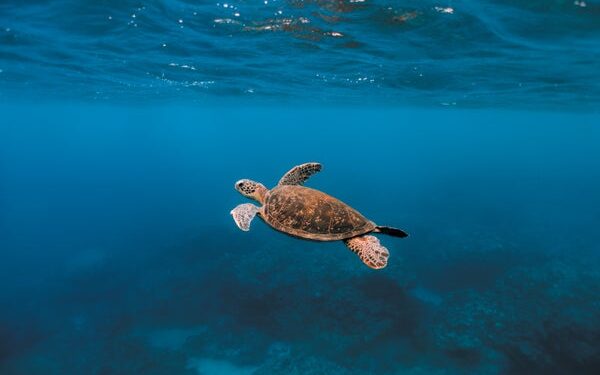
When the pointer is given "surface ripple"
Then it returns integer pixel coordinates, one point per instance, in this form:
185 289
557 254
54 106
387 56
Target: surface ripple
489 53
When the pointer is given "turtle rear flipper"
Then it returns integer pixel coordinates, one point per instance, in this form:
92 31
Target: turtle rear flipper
390 231
299 174
369 250
243 215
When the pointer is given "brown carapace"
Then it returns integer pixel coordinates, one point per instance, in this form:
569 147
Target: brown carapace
311 214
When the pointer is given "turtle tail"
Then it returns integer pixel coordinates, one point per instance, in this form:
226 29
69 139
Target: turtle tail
391 231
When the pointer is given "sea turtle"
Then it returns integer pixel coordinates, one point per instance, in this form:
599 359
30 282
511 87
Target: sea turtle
311 214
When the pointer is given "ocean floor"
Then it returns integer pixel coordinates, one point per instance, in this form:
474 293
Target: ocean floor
259 310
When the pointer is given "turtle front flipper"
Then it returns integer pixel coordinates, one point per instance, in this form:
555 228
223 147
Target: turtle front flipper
299 174
369 250
243 215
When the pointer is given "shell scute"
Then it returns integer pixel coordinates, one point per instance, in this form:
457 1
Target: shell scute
312 214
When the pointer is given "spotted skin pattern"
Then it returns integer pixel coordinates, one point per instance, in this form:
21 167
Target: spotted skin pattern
251 189
313 215
369 250
299 174
243 215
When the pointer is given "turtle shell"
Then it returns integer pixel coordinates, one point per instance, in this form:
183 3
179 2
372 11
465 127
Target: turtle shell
308 213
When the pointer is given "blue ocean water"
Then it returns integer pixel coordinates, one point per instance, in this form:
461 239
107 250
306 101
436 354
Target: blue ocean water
472 125
500 53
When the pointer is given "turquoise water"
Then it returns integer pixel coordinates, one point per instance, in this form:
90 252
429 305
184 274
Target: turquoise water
471 125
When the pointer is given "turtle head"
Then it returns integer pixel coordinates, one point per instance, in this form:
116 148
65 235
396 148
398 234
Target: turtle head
251 189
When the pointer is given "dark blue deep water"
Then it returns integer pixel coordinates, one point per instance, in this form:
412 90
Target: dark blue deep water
473 125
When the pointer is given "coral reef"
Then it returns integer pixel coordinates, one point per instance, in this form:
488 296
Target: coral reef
280 306
540 319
